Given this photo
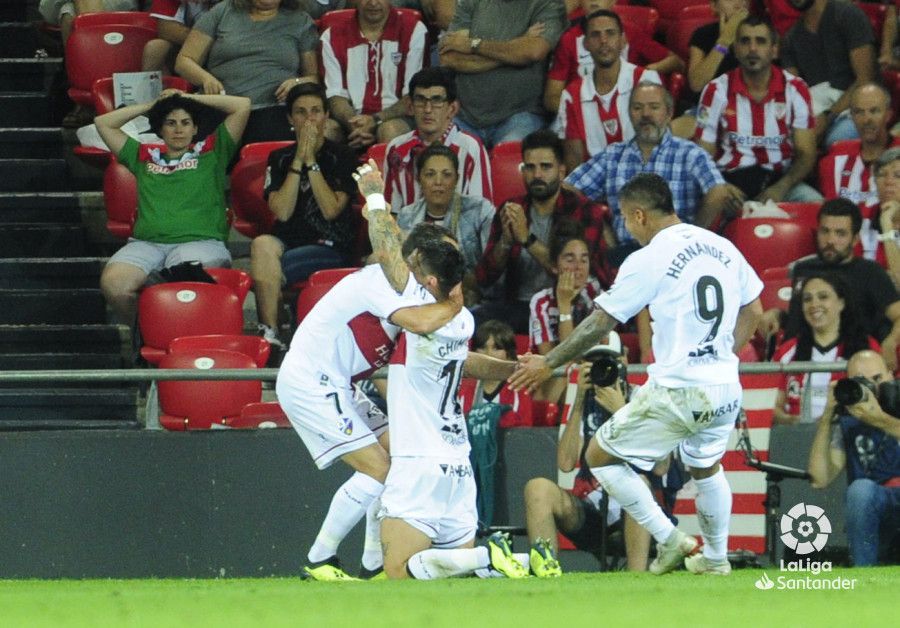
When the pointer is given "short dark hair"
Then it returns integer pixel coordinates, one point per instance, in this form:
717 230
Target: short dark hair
649 190
421 234
503 335
842 207
544 138
605 13
306 89
443 260
564 231
755 20
436 150
438 76
163 107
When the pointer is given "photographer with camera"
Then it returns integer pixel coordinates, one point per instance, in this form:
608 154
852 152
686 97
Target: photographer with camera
602 390
859 430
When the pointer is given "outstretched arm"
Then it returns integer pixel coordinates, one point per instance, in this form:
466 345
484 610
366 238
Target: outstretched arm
480 366
536 369
384 234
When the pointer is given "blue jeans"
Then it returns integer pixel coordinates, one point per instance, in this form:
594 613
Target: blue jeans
873 517
514 128
299 263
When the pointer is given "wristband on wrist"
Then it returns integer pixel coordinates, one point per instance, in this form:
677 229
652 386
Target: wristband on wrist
376 202
531 239
294 170
721 48
565 317
314 167
891 236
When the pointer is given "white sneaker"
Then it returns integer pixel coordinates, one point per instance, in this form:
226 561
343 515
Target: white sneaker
700 564
670 554
271 336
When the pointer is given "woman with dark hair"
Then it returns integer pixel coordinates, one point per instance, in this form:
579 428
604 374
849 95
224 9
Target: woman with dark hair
181 213
823 326
496 339
254 48
469 218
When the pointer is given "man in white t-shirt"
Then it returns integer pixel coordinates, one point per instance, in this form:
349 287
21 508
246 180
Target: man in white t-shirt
703 299
351 332
428 510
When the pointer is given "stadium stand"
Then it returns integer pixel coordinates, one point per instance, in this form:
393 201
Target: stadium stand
251 211
770 242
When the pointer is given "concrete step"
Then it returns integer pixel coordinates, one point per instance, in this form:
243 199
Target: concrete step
26 109
58 362
31 143
33 175
28 408
17 39
41 240
40 207
28 75
95 338
51 272
56 306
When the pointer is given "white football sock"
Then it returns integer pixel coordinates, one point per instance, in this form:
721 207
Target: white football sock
372 558
348 506
713 513
432 564
621 482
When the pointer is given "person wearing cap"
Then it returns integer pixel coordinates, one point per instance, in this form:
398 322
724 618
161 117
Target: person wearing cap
578 513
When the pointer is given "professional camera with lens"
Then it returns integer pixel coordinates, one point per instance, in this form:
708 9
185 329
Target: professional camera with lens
853 390
606 368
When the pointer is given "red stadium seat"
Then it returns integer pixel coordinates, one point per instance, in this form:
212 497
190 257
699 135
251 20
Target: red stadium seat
643 18
544 413
251 211
876 14
99 50
774 274
169 310
329 276
239 281
255 347
771 242
676 83
308 297
678 36
523 343
806 213
670 12
632 346
195 404
506 176
104 18
776 293
377 152
263 414
120 198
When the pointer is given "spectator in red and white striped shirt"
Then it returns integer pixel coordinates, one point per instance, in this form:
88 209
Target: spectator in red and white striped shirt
757 121
593 109
433 95
369 59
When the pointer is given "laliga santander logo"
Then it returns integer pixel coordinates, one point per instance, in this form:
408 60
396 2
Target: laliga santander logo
805 529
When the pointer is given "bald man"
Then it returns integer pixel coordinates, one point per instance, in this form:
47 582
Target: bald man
863 438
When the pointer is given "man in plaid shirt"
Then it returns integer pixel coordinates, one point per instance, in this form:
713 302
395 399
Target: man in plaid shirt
699 192
517 247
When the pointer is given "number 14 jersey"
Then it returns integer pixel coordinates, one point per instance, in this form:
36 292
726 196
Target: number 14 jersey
426 418
694 282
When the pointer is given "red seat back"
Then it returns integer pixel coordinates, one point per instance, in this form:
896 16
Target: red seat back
239 281
670 12
776 293
377 152
771 242
308 297
876 13
169 310
678 37
643 18
330 276
806 213
194 404
260 415
120 198
255 347
506 175
99 50
105 18
251 211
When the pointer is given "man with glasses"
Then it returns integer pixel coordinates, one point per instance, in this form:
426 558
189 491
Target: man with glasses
434 104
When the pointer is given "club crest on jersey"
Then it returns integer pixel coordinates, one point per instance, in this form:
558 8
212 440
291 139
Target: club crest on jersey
346 425
702 115
611 126
396 57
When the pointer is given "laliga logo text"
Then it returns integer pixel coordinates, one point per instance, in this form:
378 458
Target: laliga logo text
805 529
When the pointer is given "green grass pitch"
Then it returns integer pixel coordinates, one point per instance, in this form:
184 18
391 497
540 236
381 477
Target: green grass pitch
575 600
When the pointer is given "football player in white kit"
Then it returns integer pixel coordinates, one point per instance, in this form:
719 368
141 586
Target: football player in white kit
349 334
703 299
429 516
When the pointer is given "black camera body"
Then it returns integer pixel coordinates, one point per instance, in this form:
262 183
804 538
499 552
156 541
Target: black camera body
853 390
606 369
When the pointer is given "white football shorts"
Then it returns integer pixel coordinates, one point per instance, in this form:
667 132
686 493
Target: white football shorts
331 421
435 496
659 419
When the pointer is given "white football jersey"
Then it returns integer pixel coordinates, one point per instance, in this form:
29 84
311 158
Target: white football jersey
423 392
346 335
694 282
